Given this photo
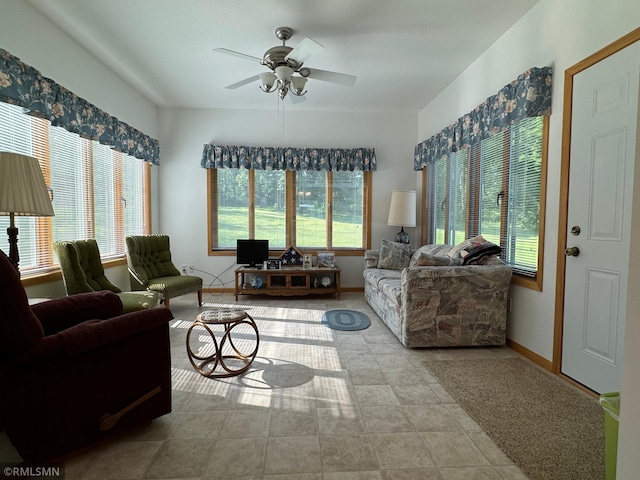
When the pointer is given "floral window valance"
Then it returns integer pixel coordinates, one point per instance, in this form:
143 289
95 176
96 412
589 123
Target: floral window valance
289 158
24 86
527 96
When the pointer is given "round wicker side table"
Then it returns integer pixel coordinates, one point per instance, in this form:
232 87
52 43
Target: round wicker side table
213 362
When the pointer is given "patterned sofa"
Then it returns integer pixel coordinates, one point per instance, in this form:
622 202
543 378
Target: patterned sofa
434 297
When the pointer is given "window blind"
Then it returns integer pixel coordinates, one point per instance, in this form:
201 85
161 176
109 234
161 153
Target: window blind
458 197
492 189
523 222
311 209
96 192
104 201
67 182
19 133
134 190
441 205
347 205
509 203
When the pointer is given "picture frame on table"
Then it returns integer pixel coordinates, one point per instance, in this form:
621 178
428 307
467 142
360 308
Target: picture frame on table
272 264
307 260
327 259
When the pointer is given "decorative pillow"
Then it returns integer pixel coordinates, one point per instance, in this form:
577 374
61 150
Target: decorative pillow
394 256
473 249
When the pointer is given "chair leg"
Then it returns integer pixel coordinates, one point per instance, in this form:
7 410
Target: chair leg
166 303
199 298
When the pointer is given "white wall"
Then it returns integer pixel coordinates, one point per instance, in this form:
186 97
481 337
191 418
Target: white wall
25 33
182 184
558 34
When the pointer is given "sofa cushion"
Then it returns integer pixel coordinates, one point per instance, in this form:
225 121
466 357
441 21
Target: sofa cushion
394 255
474 249
375 275
428 256
392 289
387 282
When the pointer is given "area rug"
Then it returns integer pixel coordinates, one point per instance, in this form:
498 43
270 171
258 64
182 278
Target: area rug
548 428
343 319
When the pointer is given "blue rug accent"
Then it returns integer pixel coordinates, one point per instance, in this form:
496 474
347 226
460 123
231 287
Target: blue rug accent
345 319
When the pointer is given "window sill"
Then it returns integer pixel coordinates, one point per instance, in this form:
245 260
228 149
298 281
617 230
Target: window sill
55 274
355 252
526 282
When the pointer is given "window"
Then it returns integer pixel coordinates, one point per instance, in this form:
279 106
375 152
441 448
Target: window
309 209
494 189
96 192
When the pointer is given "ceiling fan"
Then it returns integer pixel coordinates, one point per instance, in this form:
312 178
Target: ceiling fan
285 62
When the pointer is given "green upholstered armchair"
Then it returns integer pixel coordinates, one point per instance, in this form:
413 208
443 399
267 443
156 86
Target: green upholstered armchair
82 272
150 268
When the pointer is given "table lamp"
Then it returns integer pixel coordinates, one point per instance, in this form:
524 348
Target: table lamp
402 212
22 192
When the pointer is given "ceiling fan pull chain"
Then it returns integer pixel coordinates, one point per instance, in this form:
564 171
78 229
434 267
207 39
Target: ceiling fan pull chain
282 102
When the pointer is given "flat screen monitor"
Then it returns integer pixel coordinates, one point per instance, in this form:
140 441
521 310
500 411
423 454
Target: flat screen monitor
252 252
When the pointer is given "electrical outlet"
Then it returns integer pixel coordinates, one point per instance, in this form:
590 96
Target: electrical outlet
184 269
190 267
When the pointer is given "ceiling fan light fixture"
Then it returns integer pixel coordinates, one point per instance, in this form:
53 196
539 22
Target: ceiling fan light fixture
298 85
268 79
284 73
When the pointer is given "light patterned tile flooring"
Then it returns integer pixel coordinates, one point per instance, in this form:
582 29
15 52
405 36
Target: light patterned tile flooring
317 404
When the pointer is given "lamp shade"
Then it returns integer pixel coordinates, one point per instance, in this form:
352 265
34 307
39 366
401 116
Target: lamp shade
22 187
402 212
268 79
299 83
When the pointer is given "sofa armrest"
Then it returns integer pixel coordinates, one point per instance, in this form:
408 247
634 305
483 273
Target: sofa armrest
96 333
61 313
92 334
454 305
371 258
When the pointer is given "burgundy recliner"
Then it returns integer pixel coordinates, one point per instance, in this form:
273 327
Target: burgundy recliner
75 370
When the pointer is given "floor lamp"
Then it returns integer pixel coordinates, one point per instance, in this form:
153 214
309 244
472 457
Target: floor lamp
23 193
402 212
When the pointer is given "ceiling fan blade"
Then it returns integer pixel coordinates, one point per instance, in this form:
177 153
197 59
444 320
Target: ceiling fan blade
306 49
233 53
242 83
332 77
297 99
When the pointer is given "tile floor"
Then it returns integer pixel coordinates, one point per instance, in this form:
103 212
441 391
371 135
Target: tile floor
317 404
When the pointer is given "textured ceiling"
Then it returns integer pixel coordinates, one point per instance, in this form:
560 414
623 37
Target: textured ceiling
404 52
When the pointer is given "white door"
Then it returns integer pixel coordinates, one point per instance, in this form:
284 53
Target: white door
603 136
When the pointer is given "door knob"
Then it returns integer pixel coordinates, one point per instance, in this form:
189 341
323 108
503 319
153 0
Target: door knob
572 251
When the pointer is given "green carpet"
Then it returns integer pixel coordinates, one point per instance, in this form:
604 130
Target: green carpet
551 430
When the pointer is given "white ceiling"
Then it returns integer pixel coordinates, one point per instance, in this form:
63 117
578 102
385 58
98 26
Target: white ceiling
404 52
